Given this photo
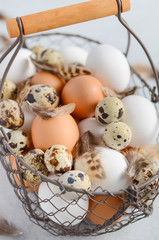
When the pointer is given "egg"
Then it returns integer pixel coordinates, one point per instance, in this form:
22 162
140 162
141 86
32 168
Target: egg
141 116
74 179
8 90
103 208
106 168
61 211
49 79
85 93
109 109
58 159
117 135
42 95
19 141
22 67
51 57
110 66
37 50
35 159
28 117
11 116
91 124
74 55
61 130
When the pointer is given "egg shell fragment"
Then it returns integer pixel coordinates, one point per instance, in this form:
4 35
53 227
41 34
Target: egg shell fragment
22 67
141 116
61 211
11 115
43 95
109 109
19 141
106 168
58 159
75 179
117 135
91 124
110 66
8 90
35 159
85 91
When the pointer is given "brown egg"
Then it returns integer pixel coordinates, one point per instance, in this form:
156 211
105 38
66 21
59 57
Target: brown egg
100 211
61 130
85 91
49 79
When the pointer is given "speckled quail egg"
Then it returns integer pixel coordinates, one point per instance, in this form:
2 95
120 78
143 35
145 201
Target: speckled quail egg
58 159
35 159
117 135
19 141
109 109
37 50
11 115
51 57
8 90
75 179
44 95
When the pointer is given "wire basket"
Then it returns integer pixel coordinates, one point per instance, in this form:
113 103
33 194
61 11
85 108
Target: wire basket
133 204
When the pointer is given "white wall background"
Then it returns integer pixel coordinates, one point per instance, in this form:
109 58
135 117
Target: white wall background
143 19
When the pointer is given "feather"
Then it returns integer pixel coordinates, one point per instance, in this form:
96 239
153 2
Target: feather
111 93
8 229
49 112
23 89
62 70
144 70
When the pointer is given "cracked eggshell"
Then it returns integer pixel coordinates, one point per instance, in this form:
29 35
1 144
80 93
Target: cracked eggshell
75 179
141 116
74 55
58 159
73 211
110 66
106 169
109 109
11 115
91 124
19 141
22 67
43 95
117 135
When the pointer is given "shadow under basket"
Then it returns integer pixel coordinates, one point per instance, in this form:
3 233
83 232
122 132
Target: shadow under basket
106 212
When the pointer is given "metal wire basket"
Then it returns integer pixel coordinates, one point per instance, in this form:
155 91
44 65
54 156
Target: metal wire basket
135 203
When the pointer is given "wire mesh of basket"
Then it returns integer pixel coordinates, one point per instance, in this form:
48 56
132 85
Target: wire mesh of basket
74 217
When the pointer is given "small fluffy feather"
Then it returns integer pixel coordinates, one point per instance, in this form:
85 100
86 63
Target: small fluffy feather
111 93
8 229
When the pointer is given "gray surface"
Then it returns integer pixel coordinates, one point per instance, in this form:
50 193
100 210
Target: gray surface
143 19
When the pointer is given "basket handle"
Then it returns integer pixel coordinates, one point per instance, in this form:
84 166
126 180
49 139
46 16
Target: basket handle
65 16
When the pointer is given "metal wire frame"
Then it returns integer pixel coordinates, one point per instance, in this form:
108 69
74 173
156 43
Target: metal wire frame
136 203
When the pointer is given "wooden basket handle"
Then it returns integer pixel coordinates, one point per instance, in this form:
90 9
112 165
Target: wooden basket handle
65 16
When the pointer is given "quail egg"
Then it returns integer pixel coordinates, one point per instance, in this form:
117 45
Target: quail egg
11 115
51 57
75 179
109 109
19 141
58 159
35 159
44 95
8 90
37 50
117 135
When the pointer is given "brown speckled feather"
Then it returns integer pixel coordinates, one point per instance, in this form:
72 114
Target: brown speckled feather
8 229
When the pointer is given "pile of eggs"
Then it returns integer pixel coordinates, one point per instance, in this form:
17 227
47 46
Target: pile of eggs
47 143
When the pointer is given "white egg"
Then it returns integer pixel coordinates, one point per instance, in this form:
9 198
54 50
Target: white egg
28 117
141 117
91 124
110 66
106 168
74 55
68 213
22 67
